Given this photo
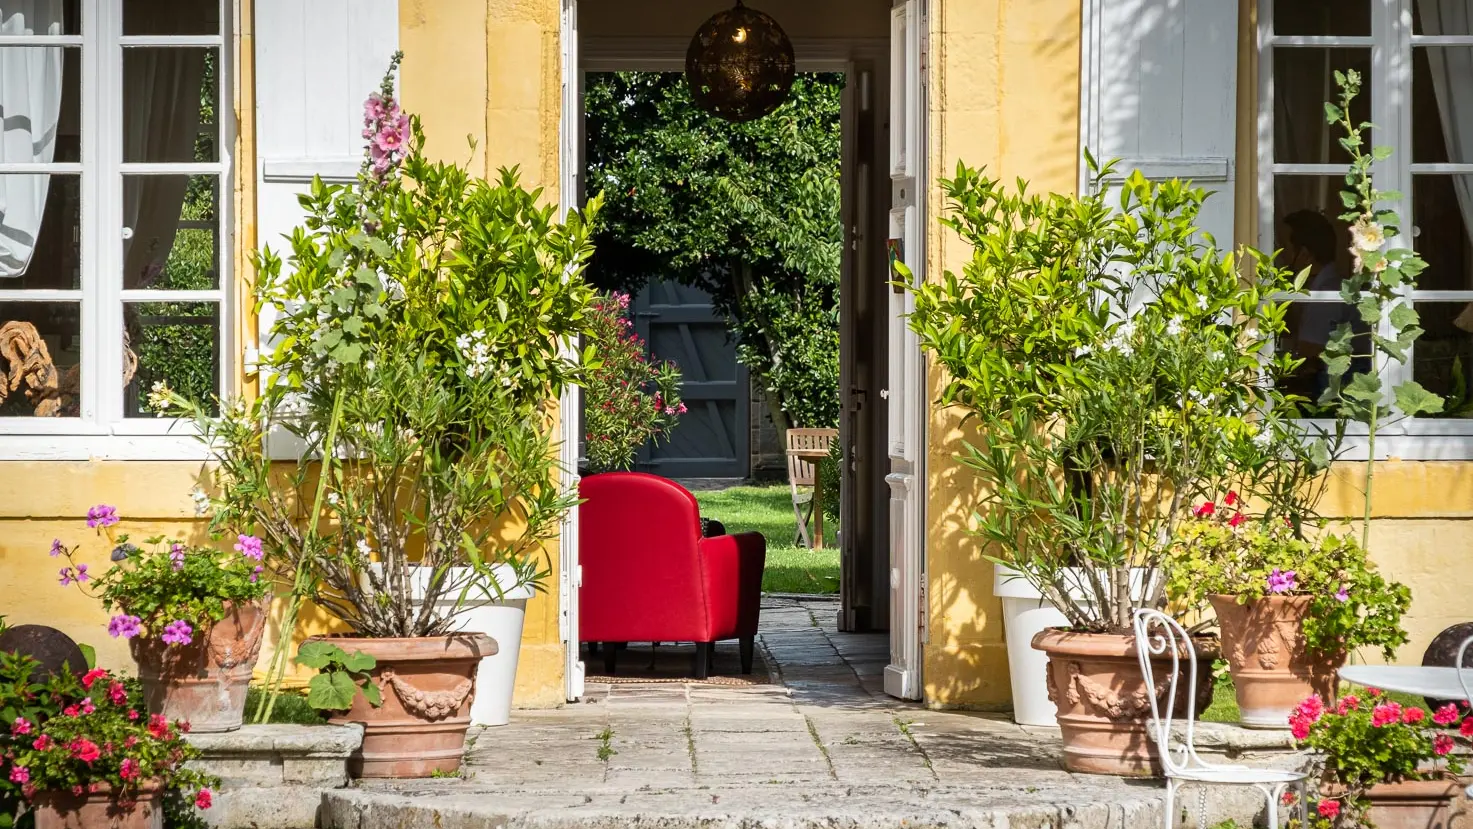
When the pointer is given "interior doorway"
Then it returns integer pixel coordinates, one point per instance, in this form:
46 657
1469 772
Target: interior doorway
881 397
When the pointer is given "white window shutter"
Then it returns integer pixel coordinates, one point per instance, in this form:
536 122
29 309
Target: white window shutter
1159 92
316 61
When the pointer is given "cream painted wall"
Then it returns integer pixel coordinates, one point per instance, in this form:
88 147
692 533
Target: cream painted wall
1005 94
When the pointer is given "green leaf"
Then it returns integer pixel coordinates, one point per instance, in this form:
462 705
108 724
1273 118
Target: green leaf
317 654
379 247
331 691
1402 315
372 693
1370 310
347 353
89 654
358 662
1413 400
1364 387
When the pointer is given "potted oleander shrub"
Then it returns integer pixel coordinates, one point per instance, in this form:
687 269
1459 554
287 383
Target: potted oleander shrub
193 617
629 399
424 332
82 752
1103 352
1382 764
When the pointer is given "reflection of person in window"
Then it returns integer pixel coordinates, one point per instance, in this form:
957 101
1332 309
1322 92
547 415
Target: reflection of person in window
1310 242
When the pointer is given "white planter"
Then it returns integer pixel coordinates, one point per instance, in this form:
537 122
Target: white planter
1024 614
501 619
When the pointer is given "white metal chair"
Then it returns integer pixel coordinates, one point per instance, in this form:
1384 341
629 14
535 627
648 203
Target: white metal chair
1156 636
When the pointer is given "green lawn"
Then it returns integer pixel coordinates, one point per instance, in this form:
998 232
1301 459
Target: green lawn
1224 706
769 510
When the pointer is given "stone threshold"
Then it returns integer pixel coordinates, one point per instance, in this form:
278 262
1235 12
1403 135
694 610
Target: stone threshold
274 776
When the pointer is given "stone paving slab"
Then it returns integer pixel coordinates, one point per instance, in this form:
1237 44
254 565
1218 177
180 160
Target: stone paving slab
823 747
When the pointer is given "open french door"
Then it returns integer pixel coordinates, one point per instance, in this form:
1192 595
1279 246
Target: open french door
570 189
905 394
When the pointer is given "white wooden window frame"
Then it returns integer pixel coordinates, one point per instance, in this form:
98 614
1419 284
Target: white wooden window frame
1390 89
101 431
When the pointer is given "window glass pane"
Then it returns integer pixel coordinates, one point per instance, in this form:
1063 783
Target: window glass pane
174 240
42 18
1350 18
1304 79
1441 17
1308 231
40 359
171 17
1310 325
1442 104
1442 359
40 99
1442 209
170 98
177 343
40 232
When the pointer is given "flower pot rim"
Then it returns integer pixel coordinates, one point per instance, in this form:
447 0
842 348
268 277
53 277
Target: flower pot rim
107 791
1285 598
455 646
1085 643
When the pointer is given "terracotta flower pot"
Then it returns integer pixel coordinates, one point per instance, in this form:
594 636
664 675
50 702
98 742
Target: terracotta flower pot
1095 681
100 810
1272 668
1413 804
204 683
428 685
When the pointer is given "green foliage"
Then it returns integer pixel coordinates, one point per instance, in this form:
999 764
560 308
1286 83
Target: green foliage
831 475
341 676
1359 743
747 212
1352 605
422 333
630 401
1108 357
1376 287
169 582
64 731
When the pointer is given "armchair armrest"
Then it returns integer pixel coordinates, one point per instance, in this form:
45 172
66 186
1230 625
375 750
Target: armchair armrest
732 566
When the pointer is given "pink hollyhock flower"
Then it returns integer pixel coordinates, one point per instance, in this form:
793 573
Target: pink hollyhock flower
102 515
202 800
373 108
1446 715
1205 510
129 769
89 678
250 547
85 750
389 139
1442 745
1237 520
1387 713
20 774
1413 715
1328 809
20 727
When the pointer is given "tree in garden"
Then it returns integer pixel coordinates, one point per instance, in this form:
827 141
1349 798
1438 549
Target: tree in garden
748 213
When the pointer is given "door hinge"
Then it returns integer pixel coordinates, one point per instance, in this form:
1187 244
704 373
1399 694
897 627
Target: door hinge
922 623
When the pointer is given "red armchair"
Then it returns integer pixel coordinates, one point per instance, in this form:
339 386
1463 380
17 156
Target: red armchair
649 576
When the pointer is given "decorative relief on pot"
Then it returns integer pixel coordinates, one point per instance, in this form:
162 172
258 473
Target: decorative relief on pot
1053 685
228 653
431 705
1106 702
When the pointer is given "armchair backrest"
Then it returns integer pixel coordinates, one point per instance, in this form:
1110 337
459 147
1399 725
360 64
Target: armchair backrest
638 545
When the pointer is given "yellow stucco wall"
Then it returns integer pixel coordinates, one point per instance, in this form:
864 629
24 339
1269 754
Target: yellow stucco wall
1005 94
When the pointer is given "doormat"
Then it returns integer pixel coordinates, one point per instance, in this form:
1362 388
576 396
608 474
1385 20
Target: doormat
668 664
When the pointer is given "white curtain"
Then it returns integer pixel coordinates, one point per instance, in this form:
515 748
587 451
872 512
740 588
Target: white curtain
162 95
1452 83
30 107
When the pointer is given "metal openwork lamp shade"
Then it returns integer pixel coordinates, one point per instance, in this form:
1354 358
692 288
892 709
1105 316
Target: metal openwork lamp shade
739 65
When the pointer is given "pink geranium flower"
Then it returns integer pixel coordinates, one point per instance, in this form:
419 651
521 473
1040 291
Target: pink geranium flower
1385 714
1446 715
1205 510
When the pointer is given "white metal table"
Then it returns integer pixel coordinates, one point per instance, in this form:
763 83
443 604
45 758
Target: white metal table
1435 683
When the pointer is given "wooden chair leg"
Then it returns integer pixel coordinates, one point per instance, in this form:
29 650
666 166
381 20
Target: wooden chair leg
611 657
702 663
801 537
748 646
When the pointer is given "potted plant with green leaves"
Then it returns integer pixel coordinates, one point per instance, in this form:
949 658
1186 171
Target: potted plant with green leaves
1381 763
193 617
82 752
630 401
424 333
1104 354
